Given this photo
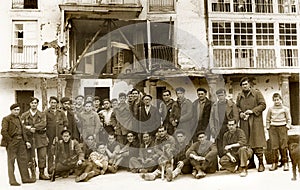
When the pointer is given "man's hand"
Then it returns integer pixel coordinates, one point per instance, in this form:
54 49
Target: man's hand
228 147
180 164
248 112
32 130
79 162
28 145
232 158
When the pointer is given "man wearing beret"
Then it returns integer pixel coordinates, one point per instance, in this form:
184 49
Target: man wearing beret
16 143
35 127
56 123
251 104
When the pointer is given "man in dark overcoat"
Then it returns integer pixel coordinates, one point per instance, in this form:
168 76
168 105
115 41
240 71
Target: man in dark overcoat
16 143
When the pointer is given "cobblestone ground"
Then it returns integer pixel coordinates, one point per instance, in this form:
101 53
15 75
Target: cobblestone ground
124 180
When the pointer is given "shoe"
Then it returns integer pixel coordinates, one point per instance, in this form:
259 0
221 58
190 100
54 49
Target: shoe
143 170
43 177
273 167
261 168
194 173
30 181
112 169
148 177
251 165
169 174
236 168
135 170
81 177
15 184
285 167
243 173
200 174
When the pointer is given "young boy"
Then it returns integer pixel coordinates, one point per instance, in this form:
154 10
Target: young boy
278 122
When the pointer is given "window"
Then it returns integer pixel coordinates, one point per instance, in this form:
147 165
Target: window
24 44
244 58
287 34
243 34
222 57
264 34
264 6
289 57
221 33
287 6
265 58
161 5
220 5
24 4
242 5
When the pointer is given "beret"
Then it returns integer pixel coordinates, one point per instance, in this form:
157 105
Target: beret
64 99
34 98
79 97
243 80
220 91
53 98
147 95
14 106
180 89
65 130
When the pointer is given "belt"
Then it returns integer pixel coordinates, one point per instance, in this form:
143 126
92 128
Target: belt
18 137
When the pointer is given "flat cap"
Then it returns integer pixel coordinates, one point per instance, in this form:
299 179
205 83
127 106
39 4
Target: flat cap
14 106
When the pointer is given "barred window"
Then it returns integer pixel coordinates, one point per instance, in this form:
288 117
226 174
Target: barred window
287 6
221 33
220 5
264 6
264 34
243 34
242 5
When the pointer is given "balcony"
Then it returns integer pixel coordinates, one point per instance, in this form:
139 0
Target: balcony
25 4
102 9
224 59
161 5
24 57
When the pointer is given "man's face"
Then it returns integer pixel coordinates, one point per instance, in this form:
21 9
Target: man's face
277 101
122 99
106 105
180 137
89 99
111 138
180 95
114 104
16 111
88 107
53 104
33 104
90 140
231 126
245 86
162 132
146 138
66 105
66 136
201 138
135 95
130 137
147 101
221 97
166 96
101 149
201 95
97 103
79 100
130 97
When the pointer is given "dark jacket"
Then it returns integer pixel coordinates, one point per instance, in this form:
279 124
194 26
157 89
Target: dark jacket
74 149
9 129
38 121
56 123
201 123
149 122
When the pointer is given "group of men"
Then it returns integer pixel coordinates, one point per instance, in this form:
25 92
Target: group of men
180 136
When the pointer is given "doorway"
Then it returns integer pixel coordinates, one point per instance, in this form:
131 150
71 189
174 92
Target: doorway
23 98
294 102
102 92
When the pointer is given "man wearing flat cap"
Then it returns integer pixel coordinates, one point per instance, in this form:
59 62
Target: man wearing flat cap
72 125
221 111
16 143
35 127
56 123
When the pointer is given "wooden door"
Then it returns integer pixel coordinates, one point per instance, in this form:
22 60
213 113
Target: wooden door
23 98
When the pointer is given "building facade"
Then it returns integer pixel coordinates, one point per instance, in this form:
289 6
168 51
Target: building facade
103 47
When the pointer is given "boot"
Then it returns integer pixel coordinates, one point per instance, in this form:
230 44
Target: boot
150 176
285 167
251 164
273 167
176 172
261 166
42 175
169 174
243 172
33 174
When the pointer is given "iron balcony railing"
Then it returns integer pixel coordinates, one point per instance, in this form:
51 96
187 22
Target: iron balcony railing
94 2
24 57
161 5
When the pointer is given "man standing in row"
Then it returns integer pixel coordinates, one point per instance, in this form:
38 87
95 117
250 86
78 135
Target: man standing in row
35 125
16 143
251 104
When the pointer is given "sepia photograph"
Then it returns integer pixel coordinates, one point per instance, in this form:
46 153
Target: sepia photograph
150 94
